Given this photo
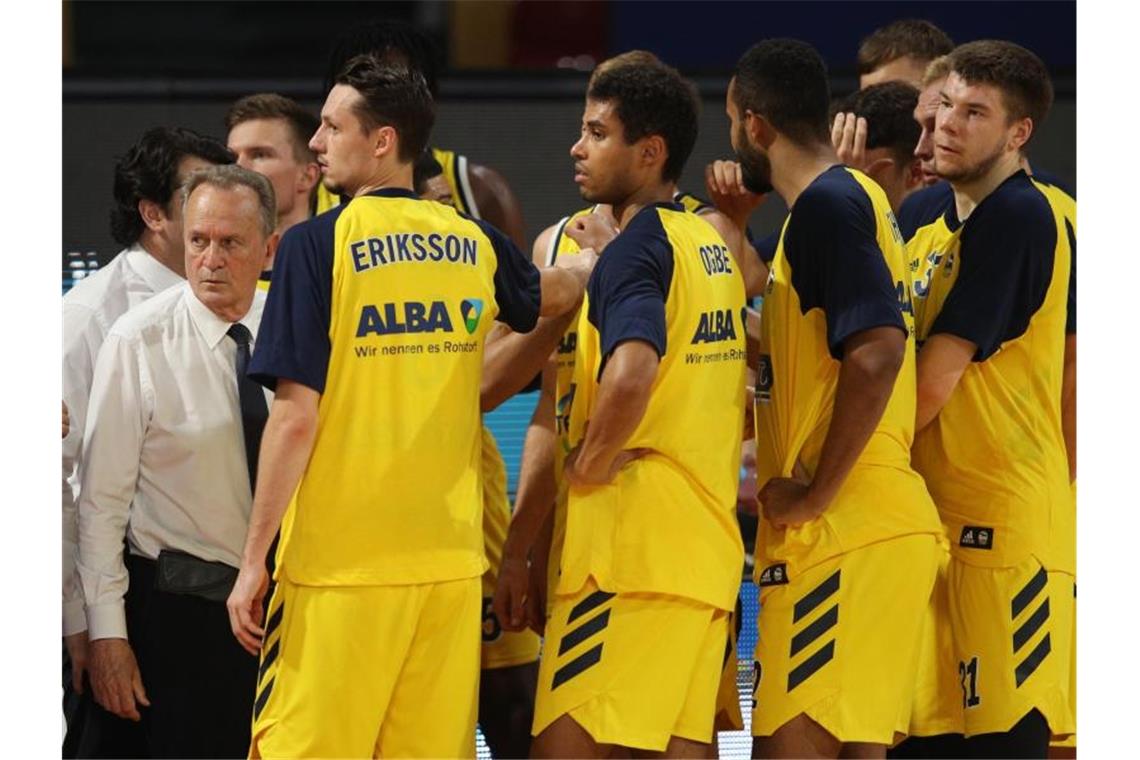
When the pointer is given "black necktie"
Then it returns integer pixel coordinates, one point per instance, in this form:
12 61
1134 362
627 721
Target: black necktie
254 412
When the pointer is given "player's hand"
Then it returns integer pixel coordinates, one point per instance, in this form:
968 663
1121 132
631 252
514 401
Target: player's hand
66 420
115 678
76 645
724 182
601 474
580 265
245 607
512 593
536 599
787 503
849 138
592 231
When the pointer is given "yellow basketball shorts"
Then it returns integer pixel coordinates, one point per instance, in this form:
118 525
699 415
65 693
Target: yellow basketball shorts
632 669
728 717
503 649
938 690
1071 739
369 671
1013 630
840 641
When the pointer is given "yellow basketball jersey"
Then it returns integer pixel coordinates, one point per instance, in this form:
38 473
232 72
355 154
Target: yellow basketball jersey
562 244
994 457
839 268
382 305
679 501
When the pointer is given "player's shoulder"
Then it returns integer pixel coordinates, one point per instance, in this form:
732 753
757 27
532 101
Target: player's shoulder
1047 177
924 206
1017 204
694 204
834 195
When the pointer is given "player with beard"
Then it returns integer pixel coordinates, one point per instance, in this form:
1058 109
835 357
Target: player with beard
992 312
845 556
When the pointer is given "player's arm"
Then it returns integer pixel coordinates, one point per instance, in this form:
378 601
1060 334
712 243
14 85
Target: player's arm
291 357
734 205
871 362
286 445
627 306
537 493
623 396
838 267
940 365
511 359
109 471
497 203
1069 403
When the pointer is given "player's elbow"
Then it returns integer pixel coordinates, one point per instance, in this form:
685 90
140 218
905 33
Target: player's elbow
876 355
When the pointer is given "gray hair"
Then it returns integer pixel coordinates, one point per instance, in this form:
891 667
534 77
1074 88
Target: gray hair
229 177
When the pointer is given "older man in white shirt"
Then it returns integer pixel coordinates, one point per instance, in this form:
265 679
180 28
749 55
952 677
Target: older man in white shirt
170 440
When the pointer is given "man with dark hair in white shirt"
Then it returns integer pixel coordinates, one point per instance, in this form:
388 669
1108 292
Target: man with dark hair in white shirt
147 221
170 447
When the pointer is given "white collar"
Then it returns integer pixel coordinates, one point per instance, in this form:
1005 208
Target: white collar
210 326
154 273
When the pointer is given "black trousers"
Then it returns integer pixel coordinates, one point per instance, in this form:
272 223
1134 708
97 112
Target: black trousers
199 680
92 731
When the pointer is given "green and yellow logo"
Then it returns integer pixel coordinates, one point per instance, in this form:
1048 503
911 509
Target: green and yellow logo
471 309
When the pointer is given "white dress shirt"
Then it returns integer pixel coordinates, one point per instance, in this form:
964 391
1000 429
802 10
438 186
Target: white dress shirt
165 461
89 310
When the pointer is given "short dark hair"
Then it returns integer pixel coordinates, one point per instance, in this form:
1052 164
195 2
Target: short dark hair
652 99
424 169
269 105
785 81
911 37
149 171
392 95
1020 75
888 108
391 42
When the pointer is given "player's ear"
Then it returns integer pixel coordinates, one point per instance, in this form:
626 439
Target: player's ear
309 177
270 249
878 166
1020 132
913 174
760 130
384 141
153 214
653 149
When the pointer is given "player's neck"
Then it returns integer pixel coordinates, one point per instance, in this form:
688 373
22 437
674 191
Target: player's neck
160 252
655 193
794 167
298 214
967 195
388 176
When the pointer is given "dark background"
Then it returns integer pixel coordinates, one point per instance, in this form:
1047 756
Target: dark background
516 72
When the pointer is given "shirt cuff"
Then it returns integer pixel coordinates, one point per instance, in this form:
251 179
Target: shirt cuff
74 619
107 621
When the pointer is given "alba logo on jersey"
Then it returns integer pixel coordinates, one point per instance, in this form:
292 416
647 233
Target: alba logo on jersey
408 317
715 326
471 309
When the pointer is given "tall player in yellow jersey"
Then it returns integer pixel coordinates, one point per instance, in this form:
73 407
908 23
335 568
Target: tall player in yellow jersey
846 547
655 420
374 327
992 285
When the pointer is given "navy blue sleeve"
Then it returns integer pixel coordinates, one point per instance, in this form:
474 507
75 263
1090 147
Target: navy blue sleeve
293 338
1071 313
629 285
767 245
1006 265
837 265
518 288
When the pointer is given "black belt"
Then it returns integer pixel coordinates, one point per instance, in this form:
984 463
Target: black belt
177 572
